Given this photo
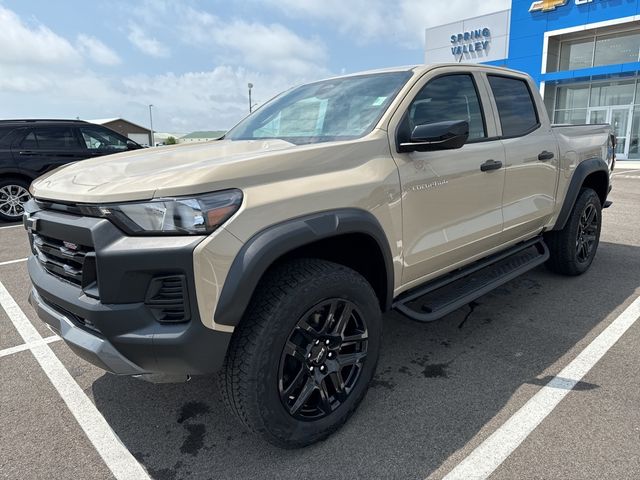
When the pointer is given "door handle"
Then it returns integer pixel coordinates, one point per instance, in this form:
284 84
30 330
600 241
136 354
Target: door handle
544 156
490 165
27 152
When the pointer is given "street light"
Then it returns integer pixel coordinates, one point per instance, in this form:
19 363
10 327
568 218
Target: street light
250 85
153 142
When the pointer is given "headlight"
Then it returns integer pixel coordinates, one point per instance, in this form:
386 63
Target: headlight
198 215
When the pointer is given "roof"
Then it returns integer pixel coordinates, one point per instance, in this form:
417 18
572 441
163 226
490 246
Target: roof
102 121
205 134
40 120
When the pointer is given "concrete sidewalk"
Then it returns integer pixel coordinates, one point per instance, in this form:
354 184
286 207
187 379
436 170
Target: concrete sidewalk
627 164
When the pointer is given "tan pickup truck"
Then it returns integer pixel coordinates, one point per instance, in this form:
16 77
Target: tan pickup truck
269 255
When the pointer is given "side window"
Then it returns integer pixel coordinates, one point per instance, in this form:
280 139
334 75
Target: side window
102 139
448 98
517 111
29 141
57 138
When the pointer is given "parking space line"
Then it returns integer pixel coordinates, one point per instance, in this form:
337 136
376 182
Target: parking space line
11 226
490 454
9 262
28 346
118 459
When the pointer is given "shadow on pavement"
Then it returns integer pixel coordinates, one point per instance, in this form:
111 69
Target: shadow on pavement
437 386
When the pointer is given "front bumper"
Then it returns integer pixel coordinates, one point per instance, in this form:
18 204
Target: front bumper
90 347
110 321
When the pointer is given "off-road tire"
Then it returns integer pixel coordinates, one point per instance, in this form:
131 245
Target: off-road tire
563 244
10 185
249 377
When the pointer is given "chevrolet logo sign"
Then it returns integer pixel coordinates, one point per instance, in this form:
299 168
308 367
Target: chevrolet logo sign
547 5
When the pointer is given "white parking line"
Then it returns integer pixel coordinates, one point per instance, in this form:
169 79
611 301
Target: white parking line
28 346
11 226
490 454
9 262
122 464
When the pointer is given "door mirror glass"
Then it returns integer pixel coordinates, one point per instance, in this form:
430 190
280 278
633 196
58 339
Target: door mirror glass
437 136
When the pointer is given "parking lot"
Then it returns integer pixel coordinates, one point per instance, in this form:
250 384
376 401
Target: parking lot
442 391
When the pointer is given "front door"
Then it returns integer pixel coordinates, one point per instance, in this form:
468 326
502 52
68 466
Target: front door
451 210
620 120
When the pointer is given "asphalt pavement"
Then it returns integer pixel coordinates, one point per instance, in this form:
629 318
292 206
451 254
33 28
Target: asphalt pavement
442 390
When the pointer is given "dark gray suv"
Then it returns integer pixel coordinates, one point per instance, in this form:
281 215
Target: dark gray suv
30 148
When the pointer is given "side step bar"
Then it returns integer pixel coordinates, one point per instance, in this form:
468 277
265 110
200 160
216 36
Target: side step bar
442 296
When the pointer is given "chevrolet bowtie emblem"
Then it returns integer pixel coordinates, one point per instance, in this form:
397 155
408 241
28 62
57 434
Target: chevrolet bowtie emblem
547 5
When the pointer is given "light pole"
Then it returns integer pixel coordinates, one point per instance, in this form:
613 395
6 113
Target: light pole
250 85
153 142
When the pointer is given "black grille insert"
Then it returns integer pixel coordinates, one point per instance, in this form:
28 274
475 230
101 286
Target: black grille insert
64 259
166 297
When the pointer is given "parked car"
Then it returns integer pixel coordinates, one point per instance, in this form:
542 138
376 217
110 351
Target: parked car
30 148
269 256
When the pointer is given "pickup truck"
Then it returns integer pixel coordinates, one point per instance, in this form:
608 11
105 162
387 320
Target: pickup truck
269 256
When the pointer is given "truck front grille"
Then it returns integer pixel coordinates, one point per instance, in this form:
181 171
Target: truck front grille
65 260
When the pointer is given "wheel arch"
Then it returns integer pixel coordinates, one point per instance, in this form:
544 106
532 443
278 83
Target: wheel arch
592 173
331 235
15 175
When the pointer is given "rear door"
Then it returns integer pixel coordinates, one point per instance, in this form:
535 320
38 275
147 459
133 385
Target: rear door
452 211
531 150
44 148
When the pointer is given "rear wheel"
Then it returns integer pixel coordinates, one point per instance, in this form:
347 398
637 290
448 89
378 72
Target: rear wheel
574 247
14 193
302 358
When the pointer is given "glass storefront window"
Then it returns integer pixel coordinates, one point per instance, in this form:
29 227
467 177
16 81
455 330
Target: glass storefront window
599 50
618 48
634 152
574 96
576 54
615 93
576 116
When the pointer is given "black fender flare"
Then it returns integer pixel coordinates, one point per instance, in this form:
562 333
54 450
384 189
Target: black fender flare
265 247
583 170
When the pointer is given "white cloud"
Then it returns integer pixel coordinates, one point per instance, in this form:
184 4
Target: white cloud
97 51
402 22
23 44
271 47
146 44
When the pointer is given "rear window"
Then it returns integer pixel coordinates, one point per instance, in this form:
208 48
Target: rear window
518 115
56 138
29 141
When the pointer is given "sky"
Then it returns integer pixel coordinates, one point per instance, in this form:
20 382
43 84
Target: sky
193 59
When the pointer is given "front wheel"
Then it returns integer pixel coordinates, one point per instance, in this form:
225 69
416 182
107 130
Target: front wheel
302 358
573 248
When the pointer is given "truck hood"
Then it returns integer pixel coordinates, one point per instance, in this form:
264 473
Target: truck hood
163 171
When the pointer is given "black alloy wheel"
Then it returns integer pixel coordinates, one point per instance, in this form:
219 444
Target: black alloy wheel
322 359
587 233
573 248
301 360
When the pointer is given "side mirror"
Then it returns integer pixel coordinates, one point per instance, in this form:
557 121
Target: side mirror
132 145
437 136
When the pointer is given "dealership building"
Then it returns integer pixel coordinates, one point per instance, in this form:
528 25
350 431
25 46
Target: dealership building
583 54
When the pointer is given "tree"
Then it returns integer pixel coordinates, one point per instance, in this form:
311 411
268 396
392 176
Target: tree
171 140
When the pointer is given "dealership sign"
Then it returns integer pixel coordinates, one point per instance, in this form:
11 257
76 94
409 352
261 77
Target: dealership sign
549 5
471 41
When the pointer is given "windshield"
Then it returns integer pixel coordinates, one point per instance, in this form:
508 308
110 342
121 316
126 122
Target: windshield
337 109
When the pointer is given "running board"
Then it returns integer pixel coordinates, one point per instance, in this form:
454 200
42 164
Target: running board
442 296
